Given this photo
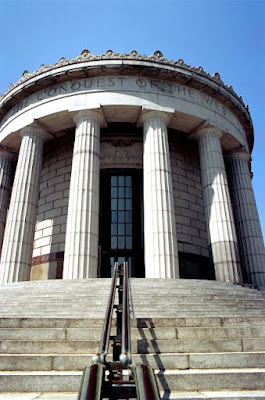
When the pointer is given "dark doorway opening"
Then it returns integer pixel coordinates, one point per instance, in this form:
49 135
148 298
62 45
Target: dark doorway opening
121 220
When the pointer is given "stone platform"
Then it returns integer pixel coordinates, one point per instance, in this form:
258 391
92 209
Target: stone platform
205 339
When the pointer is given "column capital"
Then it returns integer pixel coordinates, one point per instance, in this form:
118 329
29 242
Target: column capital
164 114
34 129
238 153
205 129
82 115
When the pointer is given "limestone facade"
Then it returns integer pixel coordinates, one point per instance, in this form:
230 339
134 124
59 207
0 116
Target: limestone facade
127 157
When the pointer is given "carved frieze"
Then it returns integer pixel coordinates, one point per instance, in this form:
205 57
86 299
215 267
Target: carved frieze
121 153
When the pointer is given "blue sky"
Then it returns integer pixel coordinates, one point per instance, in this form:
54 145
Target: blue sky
227 36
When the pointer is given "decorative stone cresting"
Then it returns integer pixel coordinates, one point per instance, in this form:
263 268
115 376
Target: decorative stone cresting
247 219
81 243
17 247
218 210
5 184
157 57
161 253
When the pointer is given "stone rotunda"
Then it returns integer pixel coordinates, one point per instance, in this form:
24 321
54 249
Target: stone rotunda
127 157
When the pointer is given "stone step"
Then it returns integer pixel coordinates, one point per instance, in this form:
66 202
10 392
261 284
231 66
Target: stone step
52 322
39 396
219 379
205 395
206 322
193 300
175 303
136 290
188 298
219 333
202 395
164 333
82 333
178 294
210 336
140 314
185 292
147 300
142 346
150 283
64 362
181 380
187 314
227 360
138 311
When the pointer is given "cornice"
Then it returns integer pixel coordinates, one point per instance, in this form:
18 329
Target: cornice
157 57
155 65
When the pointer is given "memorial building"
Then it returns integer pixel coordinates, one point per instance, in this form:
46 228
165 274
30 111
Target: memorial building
127 157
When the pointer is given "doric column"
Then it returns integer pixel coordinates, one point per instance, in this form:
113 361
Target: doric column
246 217
5 185
160 238
218 210
17 248
81 242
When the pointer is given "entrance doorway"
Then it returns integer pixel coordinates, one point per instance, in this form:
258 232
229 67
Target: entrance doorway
121 221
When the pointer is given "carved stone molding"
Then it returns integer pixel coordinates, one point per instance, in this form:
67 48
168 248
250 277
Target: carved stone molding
122 153
157 57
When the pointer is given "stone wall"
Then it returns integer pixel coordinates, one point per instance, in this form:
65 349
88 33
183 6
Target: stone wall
53 204
49 238
188 196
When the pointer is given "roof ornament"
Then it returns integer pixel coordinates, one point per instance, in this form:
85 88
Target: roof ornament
158 54
180 61
216 75
85 53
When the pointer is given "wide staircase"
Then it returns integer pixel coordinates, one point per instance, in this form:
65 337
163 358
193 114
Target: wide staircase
204 339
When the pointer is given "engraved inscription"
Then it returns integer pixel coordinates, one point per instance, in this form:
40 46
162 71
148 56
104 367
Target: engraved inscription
122 83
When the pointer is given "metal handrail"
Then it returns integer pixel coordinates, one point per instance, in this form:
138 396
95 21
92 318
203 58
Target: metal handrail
125 356
145 381
100 357
142 382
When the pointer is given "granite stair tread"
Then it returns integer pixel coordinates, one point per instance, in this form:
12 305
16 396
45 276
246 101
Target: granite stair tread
204 339
224 395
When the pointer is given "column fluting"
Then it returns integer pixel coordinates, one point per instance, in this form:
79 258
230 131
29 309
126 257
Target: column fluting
5 185
222 237
246 218
16 258
82 228
160 238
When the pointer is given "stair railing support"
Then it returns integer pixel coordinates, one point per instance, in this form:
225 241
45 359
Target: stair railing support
139 381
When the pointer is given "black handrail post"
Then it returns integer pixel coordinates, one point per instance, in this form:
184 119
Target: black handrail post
125 356
117 338
100 357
